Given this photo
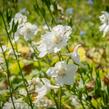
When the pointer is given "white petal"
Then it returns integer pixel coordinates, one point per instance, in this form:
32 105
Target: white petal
51 72
41 92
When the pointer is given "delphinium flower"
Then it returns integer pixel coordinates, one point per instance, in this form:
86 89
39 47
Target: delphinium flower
104 18
63 73
53 41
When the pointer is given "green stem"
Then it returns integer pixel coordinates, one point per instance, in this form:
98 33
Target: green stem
39 65
87 92
60 98
50 12
54 98
24 81
43 16
80 99
8 76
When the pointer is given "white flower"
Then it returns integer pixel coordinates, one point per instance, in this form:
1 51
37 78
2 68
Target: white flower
63 73
75 101
19 104
104 18
44 103
53 41
24 28
27 30
18 18
75 56
43 87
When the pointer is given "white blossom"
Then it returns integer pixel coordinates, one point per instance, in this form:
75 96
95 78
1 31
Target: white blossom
104 18
27 30
75 56
24 28
75 102
19 104
43 86
53 41
63 73
18 18
44 103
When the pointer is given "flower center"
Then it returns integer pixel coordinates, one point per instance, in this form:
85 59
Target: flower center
61 71
56 39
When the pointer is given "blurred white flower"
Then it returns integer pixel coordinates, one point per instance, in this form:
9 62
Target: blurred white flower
24 28
75 56
19 104
104 18
63 73
75 102
27 30
42 88
18 18
44 103
53 41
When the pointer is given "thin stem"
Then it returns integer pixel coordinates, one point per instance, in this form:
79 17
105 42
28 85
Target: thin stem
24 81
43 16
53 96
39 65
82 104
87 92
50 12
80 99
8 76
60 98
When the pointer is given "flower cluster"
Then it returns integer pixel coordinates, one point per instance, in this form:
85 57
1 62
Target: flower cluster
52 66
24 27
53 41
